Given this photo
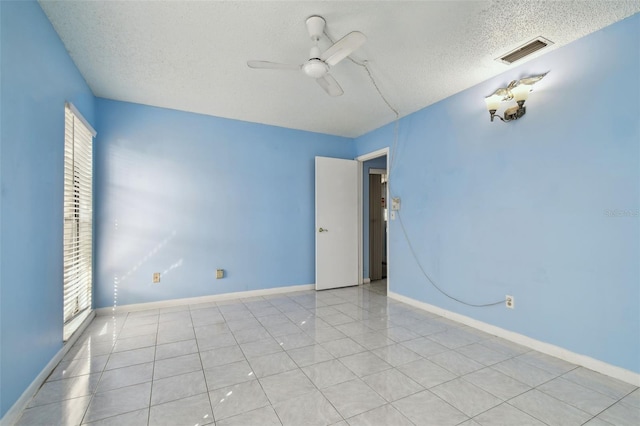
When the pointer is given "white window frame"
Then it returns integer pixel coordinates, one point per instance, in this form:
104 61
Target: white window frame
78 220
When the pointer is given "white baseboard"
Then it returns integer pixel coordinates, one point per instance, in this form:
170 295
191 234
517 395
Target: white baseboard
12 415
546 348
366 280
202 299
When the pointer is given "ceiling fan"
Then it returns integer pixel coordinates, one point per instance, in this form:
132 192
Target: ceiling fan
318 64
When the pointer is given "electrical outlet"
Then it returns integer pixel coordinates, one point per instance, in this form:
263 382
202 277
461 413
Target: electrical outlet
509 301
156 277
219 273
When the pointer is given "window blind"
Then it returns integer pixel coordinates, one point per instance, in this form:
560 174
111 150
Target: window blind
78 216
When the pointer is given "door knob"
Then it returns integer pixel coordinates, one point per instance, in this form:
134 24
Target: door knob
323 230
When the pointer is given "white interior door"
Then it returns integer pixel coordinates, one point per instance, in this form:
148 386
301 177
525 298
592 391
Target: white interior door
336 223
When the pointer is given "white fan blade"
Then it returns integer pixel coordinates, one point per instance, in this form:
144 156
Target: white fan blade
532 80
330 85
272 65
343 47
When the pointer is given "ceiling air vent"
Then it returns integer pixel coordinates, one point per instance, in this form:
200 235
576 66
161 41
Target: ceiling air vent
525 50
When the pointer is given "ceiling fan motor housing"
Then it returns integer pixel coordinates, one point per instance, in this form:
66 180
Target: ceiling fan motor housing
315 68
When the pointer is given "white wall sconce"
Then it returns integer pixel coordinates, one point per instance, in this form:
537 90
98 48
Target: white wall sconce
516 90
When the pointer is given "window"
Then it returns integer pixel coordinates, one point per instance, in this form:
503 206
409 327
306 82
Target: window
78 219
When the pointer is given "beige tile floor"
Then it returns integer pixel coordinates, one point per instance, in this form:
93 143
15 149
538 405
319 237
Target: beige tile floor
338 357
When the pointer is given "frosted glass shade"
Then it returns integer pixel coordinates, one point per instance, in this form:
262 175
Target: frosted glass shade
493 102
521 92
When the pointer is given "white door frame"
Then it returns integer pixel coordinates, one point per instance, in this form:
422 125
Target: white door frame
361 159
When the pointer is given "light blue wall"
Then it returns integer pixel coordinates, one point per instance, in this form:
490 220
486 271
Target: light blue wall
184 194
521 208
38 77
376 163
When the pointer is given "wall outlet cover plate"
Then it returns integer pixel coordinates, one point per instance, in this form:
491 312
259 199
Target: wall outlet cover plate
509 302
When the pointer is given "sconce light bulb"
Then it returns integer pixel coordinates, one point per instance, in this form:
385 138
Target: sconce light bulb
493 102
521 92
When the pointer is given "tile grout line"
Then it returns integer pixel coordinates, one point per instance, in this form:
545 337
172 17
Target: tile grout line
95 391
619 401
304 374
153 371
546 394
206 384
259 382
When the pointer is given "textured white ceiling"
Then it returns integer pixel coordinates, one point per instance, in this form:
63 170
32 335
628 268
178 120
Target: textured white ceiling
191 55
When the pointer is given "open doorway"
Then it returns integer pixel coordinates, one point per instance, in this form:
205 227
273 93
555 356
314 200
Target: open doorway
377 224
374 239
